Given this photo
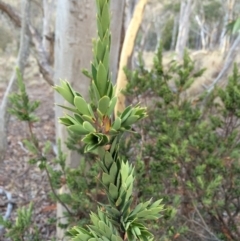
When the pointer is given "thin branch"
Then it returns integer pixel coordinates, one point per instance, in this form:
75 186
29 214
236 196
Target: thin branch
11 13
42 57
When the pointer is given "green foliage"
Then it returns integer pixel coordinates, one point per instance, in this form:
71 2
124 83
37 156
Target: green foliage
190 150
23 228
21 107
167 34
101 133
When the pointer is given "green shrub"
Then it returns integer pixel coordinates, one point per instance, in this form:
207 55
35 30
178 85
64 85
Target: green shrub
189 154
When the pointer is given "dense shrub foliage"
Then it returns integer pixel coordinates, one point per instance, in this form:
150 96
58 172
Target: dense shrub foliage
189 150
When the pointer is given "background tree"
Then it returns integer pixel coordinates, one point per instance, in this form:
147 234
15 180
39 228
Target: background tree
184 24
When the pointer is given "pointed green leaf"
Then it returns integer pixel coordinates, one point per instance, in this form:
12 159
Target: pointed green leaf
68 108
126 113
100 50
105 20
116 124
130 120
88 126
136 210
94 73
102 77
81 105
108 160
88 118
91 111
124 172
78 118
112 105
72 119
100 29
87 73
118 202
78 129
65 121
65 93
107 179
156 204
106 59
113 191
113 171
95 91
103 104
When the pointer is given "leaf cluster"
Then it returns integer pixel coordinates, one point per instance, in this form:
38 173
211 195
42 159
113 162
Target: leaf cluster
23 228
21 107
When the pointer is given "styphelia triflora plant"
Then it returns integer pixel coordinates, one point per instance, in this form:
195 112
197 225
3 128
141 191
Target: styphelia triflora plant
94 121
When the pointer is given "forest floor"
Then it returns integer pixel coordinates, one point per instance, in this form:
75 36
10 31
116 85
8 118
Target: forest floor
26 182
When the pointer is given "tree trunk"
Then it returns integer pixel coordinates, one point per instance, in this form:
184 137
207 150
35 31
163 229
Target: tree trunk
202 32
36 39
183 30
12 86
48 36
75 29
127 52
234 50
117 26
174 32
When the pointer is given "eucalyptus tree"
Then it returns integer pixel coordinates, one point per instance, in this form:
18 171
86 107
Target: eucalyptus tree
184 24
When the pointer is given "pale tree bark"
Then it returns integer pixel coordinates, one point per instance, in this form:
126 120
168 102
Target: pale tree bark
74 31
234 50
200 22
12 86
117 10
174 32
127 49
183 30
36 40
48 33
75 28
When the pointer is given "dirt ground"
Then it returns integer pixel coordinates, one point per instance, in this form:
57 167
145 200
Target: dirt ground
25 182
